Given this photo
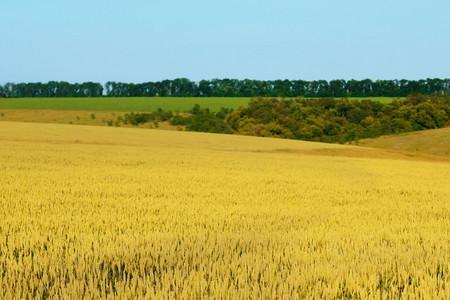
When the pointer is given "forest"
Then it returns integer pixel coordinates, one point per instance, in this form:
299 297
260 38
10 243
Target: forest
183 87
326 120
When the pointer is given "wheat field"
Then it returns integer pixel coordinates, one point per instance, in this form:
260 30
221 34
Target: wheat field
118 213
433 142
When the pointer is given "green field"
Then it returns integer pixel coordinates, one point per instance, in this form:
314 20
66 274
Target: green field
136 104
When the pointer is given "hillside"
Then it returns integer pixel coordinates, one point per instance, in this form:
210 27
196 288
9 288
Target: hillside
433 142
121 104
136 104
163 138
101 212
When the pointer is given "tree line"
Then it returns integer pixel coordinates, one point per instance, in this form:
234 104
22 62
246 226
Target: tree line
183 87
51 89
325 119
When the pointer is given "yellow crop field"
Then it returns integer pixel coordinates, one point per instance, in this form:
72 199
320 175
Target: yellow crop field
121 213
432 142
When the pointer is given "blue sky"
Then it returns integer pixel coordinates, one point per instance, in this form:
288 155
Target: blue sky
137 40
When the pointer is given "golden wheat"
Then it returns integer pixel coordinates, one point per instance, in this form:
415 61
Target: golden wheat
91 212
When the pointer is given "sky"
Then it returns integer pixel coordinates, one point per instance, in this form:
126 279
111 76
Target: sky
150 40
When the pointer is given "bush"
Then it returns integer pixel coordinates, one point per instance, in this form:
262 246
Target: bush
326 120
336 120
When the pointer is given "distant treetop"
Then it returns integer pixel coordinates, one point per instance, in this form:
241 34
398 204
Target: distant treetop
183 87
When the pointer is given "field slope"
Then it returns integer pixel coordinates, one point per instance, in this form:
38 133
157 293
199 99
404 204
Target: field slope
433 142
136 104
99 212
125 104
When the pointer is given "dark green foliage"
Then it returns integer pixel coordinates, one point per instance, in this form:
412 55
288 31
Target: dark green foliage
51 89
325 119
204 120
331 120
178 120
141 118
183 87
278 88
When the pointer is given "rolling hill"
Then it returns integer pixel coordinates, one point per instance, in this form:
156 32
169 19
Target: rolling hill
434 142
136 104
124 213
